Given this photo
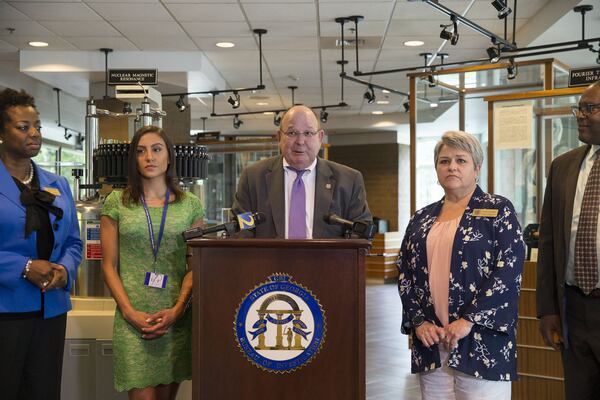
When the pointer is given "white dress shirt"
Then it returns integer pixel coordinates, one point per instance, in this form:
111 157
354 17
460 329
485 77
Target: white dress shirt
584 172
309 179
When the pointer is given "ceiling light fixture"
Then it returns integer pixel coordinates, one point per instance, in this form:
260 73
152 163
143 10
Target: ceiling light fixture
452 36
511 70
413 43
385 91
225 45
406 105
237 122
324 115
494 54
502 8
180 103
262 103
235 102
433 105
277 119
370 95
377 112
383 102
38 44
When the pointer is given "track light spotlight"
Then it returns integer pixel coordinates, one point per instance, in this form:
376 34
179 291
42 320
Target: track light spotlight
597 52
277 119
323 116
406 105
180 104
451 36
511 70
431 80
502 8
494 54
234 101
127 107
237 122
370 95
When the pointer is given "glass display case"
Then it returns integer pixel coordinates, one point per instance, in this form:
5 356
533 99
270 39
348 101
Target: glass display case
456 99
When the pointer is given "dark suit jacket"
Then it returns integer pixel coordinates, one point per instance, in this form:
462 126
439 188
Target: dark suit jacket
555 232
338 189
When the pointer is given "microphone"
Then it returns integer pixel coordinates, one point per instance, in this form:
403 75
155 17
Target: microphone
243 221
362 229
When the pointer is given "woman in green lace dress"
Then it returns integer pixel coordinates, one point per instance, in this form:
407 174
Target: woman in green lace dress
144 266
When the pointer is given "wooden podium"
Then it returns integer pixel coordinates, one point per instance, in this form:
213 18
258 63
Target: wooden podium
230 273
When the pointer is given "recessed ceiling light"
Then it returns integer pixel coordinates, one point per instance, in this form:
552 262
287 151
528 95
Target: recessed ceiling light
262 103
383 102
268 113
385 91
413 43
377 112
225 45
38 44
433 105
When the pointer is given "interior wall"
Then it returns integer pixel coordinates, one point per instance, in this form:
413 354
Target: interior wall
380 168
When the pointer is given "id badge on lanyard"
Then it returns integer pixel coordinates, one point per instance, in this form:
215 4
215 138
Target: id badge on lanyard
152 278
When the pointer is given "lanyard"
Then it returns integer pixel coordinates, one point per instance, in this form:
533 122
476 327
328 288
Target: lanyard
156 244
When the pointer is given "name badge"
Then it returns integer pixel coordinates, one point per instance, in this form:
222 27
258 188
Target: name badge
51 190
155 280
485 212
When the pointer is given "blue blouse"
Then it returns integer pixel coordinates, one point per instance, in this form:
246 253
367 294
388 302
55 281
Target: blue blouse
485 281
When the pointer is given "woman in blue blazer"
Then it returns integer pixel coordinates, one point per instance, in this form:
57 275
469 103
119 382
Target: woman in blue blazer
40 250
460 270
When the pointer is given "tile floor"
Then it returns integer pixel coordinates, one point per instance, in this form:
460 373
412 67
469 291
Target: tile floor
388 355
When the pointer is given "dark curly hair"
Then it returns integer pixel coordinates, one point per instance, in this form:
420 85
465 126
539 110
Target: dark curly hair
13 98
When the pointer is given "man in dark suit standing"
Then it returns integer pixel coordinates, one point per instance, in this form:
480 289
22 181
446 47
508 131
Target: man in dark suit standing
568 294
297 189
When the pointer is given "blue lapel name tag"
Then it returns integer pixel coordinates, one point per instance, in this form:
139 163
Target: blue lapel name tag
155 280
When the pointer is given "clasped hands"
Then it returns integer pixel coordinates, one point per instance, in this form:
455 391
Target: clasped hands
430 334
47 275
153 326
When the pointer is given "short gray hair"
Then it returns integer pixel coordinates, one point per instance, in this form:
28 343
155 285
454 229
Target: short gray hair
463 141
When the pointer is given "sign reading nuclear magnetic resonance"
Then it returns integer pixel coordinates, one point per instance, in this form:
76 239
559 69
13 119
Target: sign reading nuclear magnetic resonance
132 76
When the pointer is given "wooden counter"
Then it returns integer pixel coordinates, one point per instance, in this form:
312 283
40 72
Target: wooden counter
381 261
539 366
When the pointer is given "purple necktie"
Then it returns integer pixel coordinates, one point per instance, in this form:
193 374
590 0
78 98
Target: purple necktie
297 215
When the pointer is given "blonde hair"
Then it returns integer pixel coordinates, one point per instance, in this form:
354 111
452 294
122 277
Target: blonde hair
463 141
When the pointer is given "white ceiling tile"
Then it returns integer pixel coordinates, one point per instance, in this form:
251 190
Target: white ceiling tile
10 13
54 42
31 28
276 1
162 42
206 12
370 10
241 43
296 13
217 29
95 43
7 47
141 28
365 28
57 11
129 11
80 28
277 28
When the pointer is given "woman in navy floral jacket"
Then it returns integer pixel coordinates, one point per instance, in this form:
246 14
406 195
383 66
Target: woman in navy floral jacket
460 275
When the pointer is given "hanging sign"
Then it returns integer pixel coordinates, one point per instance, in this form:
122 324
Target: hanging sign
132 76
584 76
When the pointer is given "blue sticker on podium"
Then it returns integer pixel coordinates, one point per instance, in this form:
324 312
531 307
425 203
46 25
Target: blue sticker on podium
280 325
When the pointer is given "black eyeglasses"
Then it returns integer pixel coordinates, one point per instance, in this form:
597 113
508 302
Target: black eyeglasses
295 134
586 110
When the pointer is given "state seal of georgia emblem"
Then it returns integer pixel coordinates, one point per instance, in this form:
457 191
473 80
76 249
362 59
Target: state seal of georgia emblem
280 325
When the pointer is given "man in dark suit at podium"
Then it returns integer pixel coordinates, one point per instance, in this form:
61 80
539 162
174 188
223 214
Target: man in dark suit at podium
568 289
297 189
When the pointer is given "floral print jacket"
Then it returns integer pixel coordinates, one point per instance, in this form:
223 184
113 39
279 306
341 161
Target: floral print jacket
485 281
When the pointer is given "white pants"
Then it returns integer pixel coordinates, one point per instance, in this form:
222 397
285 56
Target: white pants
446 383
